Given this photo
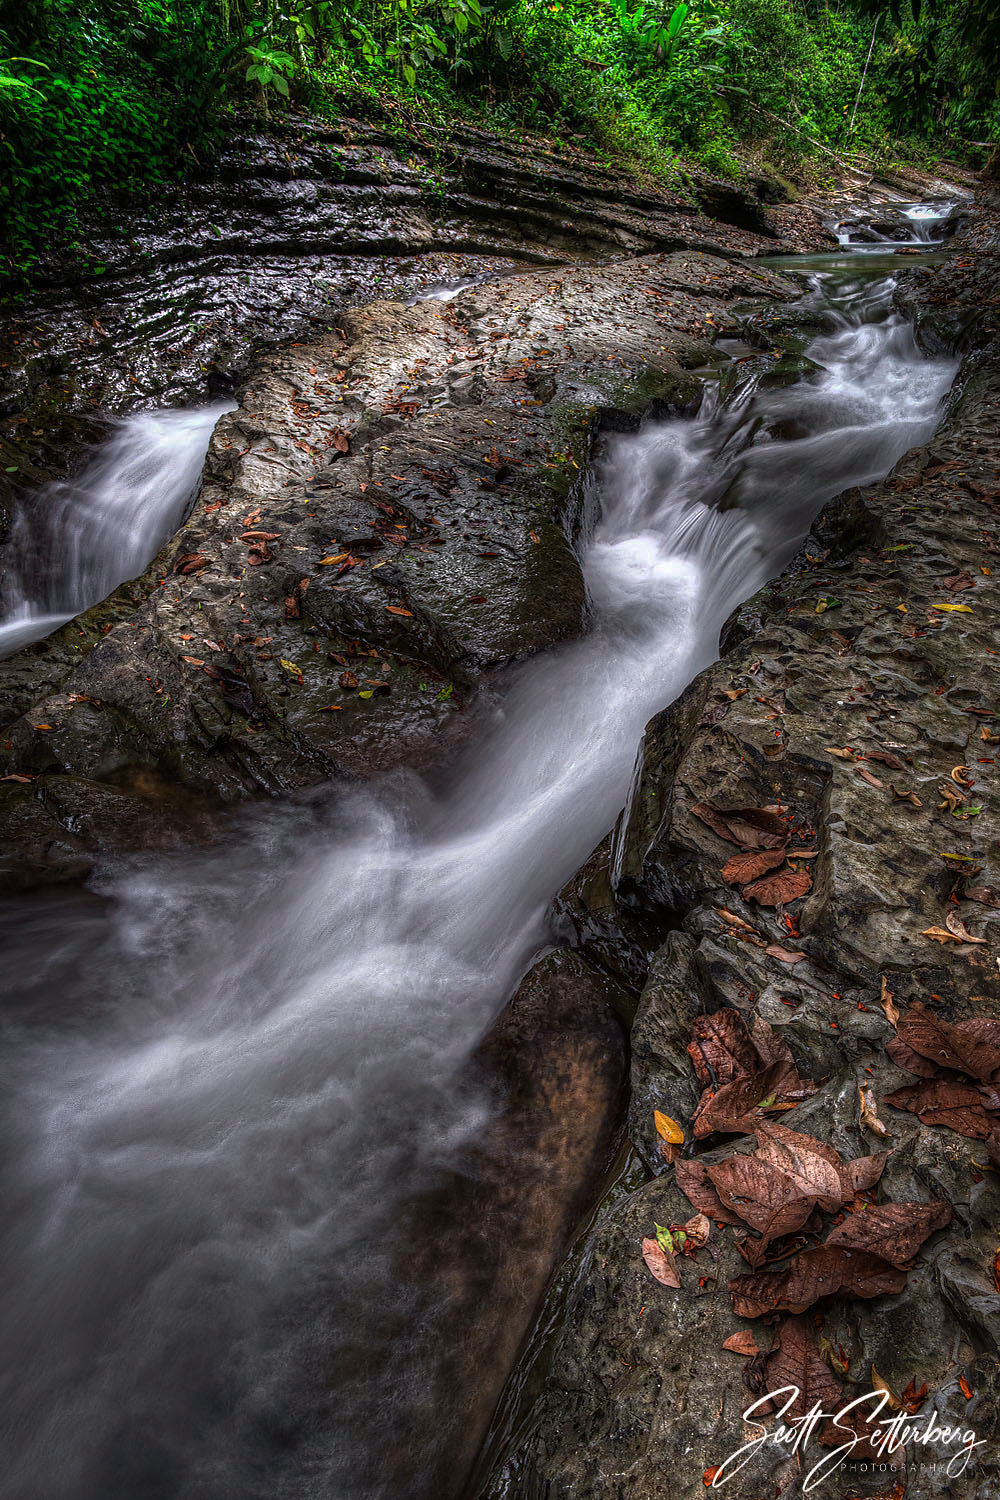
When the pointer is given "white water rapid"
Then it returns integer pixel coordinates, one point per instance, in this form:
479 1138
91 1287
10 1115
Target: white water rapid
224 1076
80 538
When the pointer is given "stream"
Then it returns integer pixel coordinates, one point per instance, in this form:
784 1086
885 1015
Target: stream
226 1071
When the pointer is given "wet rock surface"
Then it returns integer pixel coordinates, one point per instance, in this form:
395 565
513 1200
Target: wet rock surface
386 522
289 226
856 700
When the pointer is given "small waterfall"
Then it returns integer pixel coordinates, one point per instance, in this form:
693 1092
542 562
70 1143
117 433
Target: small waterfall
76 540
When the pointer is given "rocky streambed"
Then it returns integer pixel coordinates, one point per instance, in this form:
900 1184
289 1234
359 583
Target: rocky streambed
482 539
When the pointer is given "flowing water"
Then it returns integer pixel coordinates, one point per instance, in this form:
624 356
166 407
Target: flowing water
225 1072
80 538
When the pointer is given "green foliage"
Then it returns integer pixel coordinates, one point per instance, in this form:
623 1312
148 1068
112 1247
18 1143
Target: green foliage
111 95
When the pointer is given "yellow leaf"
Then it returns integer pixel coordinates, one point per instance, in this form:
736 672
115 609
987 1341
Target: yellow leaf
290 666
340 557
954 609
667 1128
940 935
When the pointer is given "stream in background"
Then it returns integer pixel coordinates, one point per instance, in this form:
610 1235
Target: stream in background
224 1078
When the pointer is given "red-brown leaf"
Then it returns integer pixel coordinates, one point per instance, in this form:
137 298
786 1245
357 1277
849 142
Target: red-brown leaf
750 827
795 1361
762 1195
661 1265
780 888
694 1182
893 1231
939 1101
971 1047
746 867
810 1276
742 1343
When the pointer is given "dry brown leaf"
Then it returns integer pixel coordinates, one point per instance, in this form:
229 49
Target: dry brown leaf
698 1228
743 1343
784 955
746 867
811 1275
869 1112
780 888
971 1047
795 1361
661 1265
694 1182
940 935
751 827
892 1231
957 927
939 1101
879 1384
891 1010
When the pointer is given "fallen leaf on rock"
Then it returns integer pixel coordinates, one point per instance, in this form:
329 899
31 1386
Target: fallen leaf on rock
866 775
912 1399
661 1265
780 888
965 1388
955 925
906 795
752 827
996 1270
721 1047
396 609
191 562
746 867
959 582
667 1128
982 894
892 1231
953 609
338 557
698 1228
811 1275
811 1165
784 955
891 1010
341 442
879 1384
194 661
694 1182
731 1109
862 1173
795 1361
868 1113
885 758
844 754
763 1196
708 1478
959 1106
742 1343
971 1047
940 935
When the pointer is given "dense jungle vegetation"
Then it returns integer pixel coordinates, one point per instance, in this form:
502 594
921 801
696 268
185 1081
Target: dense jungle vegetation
117 94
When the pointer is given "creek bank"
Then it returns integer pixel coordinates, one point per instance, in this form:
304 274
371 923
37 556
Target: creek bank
386 523
296 221
878 644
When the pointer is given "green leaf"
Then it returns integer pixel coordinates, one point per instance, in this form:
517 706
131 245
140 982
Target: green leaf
664 1239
